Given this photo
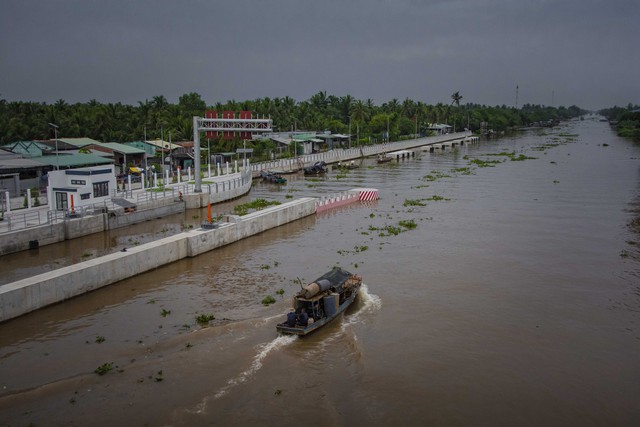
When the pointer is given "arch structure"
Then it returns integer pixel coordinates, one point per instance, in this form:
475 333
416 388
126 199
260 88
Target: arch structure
242 126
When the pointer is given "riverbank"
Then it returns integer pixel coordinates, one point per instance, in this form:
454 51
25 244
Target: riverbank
39 291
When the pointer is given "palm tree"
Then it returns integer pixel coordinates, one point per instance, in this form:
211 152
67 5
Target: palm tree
456 97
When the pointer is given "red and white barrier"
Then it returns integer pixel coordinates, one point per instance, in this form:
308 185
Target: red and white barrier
353 195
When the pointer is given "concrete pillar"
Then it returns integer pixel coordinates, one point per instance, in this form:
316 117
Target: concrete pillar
7 198
29 198
166 178
227 168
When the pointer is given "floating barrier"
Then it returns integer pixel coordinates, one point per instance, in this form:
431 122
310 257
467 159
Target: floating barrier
345 198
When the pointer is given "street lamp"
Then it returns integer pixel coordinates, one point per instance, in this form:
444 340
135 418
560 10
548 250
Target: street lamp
387 128
55 131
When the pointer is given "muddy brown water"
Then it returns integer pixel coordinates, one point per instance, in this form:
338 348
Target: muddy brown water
515 300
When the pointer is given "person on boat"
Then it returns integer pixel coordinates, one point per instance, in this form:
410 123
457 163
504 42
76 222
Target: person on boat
303 318
291 318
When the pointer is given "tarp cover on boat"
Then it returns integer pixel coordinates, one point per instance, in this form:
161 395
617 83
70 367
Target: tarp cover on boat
337 276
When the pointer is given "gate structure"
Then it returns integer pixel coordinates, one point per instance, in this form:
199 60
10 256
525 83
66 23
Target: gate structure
227 125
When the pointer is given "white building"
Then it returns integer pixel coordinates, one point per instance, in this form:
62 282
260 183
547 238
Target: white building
71 189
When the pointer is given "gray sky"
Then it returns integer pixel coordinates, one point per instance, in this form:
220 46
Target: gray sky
582 52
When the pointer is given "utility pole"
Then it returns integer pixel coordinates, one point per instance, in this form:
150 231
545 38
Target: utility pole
55 130
516 97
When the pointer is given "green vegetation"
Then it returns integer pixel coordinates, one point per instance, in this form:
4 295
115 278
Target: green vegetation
269 299
165 312
117 122
436 198
255 205
408 224
104 368
413 202
485 163
626 121
392 230
462 171
100 339
204 319
435 175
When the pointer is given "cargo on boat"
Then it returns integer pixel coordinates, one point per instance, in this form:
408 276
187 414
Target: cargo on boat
321 301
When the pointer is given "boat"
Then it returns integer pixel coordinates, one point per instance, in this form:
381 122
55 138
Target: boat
384 158
318 168
321 301
272 177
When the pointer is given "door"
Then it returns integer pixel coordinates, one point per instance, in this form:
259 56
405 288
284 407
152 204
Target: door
62 204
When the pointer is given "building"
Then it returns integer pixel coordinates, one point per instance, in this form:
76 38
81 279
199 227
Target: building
72 189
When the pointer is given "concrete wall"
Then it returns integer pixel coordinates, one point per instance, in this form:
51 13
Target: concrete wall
30 294
19 240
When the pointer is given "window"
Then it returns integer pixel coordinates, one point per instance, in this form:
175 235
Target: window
78 182
85 196
101 189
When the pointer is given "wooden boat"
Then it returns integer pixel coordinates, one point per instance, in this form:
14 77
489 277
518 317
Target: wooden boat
318 168
321 301
272 177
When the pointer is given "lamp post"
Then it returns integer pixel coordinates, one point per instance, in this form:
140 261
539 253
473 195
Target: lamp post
387 128
55 131
162 151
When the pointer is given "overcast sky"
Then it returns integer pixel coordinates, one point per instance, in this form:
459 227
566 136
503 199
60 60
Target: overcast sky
558 52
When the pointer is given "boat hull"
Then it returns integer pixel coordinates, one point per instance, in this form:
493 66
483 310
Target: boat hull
306 330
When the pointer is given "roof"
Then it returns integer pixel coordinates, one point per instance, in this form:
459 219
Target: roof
73 160
162 144
281 140
121 148
78 142
18 163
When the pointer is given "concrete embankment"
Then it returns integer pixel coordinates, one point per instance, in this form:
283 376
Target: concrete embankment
148 208
30 294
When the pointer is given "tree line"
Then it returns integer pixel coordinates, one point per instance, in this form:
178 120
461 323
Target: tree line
626 120
157 118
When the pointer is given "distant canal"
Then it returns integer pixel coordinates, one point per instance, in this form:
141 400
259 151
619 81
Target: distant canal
502 288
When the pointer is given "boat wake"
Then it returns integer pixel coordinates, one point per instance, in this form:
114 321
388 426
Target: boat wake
368 303
263 351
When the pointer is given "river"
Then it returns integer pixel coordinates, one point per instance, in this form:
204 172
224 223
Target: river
502 288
